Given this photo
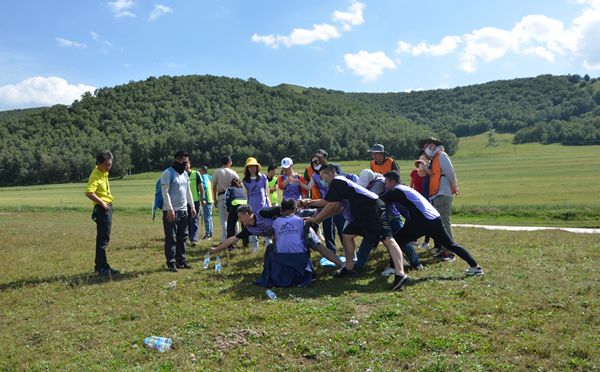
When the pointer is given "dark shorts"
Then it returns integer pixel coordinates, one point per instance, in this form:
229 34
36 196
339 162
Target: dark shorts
373 224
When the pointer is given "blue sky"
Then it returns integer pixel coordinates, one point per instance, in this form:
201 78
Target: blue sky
53 51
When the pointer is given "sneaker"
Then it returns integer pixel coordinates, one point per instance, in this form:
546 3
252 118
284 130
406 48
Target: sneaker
183 265
399 282
108 272
345 273
172 268
419 267
425 246
448 257
207 237
474 271
388 271
194 243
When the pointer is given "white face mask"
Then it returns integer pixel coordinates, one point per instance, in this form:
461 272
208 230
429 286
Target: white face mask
317 167
430 152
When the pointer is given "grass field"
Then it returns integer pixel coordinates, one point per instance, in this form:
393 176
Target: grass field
536 307
500 184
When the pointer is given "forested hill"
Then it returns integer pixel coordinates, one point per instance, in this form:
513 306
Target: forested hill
547 109
144 122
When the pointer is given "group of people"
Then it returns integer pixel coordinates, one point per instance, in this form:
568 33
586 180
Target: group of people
314 206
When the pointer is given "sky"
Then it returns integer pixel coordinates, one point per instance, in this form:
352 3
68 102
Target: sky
53 51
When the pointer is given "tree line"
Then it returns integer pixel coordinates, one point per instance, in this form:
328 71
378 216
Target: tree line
145 122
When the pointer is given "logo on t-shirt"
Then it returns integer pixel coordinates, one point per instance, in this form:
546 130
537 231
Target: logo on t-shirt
287 228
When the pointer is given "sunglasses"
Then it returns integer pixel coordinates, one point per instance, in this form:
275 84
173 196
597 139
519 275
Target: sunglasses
315 161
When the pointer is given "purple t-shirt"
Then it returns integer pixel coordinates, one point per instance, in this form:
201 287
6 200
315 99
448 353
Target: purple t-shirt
256 189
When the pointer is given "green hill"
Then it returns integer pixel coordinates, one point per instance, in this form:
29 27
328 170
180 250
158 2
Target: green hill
144 122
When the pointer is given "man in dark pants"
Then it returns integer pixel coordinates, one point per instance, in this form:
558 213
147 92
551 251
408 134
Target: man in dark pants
98 191
423 219
177 197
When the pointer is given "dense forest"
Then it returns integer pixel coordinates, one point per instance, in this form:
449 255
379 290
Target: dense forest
145 122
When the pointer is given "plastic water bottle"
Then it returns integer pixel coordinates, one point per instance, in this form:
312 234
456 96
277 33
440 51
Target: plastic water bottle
161 344
206 261
218 265
271 294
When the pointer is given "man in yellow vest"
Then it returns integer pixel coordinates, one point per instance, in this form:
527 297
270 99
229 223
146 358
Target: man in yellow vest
442 185
198 196
98 191
382 162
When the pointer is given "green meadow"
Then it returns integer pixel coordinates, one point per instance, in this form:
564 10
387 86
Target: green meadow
500 183
536 308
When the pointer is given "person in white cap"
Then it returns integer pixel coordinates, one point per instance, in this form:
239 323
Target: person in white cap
291 182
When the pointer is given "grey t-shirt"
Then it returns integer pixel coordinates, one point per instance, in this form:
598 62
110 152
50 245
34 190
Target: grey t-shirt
176 193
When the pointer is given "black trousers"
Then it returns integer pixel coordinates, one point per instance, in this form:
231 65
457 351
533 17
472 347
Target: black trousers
176 233
414 229
103 219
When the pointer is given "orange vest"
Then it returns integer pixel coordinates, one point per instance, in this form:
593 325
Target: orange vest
435 177
382 168
314 192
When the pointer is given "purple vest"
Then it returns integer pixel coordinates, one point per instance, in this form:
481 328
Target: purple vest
320 184
256 189
292 190
263 226
289 234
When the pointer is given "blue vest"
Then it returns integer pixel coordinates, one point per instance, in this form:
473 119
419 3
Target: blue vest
289 234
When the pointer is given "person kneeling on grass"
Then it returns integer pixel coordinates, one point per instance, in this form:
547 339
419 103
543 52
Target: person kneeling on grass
261 224
423 219
287 261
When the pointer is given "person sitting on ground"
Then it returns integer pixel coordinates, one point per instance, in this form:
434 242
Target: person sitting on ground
261 224
424 219
287 261
367 217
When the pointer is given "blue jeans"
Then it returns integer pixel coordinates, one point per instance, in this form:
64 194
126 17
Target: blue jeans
364 251
207 215
330 225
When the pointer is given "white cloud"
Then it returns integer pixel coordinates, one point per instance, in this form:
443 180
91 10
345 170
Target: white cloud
159 11
94 35
368 65
121 8
319 32
352 17
41 91
534 34
446 46
65 43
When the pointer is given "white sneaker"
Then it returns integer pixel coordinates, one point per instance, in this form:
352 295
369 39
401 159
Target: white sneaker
389 271
425 246
474 271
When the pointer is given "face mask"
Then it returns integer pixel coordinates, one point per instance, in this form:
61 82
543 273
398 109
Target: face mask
317 167
430 152
179 167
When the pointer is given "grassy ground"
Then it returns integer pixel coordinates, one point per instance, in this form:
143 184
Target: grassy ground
536 307
500 184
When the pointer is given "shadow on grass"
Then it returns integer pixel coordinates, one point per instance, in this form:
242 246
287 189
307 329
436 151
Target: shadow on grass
75 280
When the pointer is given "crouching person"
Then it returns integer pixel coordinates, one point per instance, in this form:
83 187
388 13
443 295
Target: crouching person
287 260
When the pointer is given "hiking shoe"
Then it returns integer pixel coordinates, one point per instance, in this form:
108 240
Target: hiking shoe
172 268
425 246
345 273
474 271
399 282
183 265
388 271
108 272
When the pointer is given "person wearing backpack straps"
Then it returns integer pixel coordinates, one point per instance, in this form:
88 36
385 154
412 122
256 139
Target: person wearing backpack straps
177 198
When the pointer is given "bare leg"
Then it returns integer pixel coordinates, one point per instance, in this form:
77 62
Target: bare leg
395 254
328 254
349 248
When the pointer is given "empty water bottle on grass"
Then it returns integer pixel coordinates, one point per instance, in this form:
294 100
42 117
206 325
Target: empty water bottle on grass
272 296
218 265
161 344
206 261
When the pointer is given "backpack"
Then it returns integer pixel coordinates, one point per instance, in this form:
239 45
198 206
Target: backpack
158 198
